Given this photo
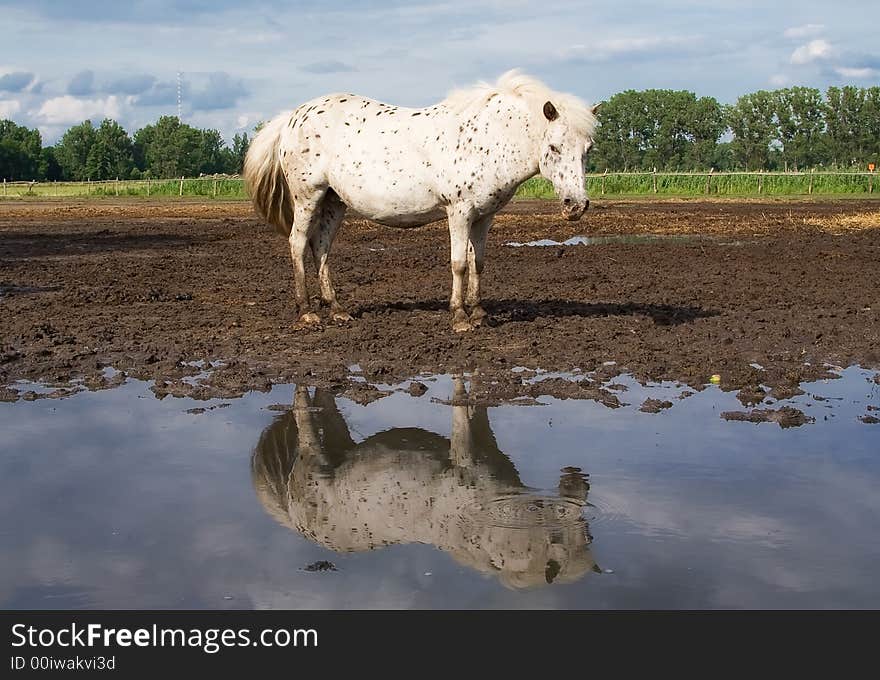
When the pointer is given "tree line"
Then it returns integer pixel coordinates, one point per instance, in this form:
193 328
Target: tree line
788 129
793 128
166 148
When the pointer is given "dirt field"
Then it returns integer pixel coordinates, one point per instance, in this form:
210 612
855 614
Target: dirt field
144 287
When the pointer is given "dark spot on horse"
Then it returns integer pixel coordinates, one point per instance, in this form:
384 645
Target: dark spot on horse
417 113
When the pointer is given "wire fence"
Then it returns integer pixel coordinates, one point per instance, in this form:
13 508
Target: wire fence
607 183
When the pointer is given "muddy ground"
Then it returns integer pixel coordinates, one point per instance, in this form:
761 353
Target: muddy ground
148 287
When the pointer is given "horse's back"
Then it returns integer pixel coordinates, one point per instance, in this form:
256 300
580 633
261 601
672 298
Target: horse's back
377 157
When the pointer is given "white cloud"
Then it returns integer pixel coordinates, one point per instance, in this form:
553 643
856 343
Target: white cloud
813 50
631 45
69 110
779 80
848 72
804 31
9 107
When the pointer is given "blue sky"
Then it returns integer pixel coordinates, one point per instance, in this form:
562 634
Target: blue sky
61 62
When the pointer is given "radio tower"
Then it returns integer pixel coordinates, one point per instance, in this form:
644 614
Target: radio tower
179 116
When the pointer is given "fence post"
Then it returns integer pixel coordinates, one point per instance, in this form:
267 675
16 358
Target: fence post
215 188
870 182
603 181
709 180
760 181
4 186
116 186
654 179
148 187
180 193
811 181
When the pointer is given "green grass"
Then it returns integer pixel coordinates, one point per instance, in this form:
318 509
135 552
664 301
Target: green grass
719 184
623 184
207 188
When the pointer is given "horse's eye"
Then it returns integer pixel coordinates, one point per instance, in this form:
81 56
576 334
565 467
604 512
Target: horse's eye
554 148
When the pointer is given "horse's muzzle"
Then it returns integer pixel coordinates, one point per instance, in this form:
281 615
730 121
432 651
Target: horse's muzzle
572 211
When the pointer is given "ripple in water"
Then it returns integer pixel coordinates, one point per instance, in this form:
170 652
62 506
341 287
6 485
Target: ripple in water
526 511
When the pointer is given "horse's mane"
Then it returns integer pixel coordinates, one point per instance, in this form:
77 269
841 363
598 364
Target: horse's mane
533 92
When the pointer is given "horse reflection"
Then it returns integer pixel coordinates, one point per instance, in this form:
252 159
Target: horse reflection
408 485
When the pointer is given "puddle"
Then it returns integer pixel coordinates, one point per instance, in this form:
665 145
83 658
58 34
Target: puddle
602 240
116 499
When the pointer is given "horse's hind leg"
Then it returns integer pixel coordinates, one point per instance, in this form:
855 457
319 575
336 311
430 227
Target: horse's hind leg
332 212
306 215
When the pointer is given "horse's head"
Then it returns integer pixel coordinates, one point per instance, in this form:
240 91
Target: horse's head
564 149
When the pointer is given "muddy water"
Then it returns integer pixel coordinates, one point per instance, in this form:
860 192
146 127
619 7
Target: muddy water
296 498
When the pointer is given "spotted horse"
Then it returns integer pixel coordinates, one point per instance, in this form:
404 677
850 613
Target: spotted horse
462 158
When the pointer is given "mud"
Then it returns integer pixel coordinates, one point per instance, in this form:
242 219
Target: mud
785 417
765 294
654 405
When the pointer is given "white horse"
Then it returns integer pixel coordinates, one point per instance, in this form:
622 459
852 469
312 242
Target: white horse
462 158
408 485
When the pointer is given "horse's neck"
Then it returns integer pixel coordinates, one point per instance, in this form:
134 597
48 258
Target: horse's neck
506 130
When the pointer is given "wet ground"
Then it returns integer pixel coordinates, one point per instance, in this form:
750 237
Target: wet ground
684 290
297 498
675 404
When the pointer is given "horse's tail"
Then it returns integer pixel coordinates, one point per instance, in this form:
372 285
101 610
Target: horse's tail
264 177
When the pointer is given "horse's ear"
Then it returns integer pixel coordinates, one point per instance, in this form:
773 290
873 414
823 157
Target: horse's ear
595 108
550 111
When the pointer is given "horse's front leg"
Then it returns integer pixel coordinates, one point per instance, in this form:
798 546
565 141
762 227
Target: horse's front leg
476 252
306 215
459 233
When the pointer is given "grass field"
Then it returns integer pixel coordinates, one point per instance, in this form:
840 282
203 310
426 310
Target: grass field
611 184
714 184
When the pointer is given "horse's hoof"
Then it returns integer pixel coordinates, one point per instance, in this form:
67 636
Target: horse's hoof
310 318
462 326
342 316
478 316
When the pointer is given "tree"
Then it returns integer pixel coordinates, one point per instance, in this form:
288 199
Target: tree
240 145
669 129
213 155
852 116
170 148
722 157
49 168
706 123
112 153
72 151
20 152
753 123
622 136
872 125
801 123
158 148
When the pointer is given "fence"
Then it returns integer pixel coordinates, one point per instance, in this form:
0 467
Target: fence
209 187
606 183
715 183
